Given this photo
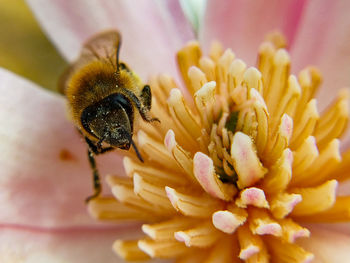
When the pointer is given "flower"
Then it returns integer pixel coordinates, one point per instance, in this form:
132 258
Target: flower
37 194
246 160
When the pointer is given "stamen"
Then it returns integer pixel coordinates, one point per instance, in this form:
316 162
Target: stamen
181 156
222 65
339 212
309 79
196 77
265 62
110 209
225 251
153 173
327 160
205 100
315 199
287 252
277 39
250 244
279 141
203 235
332 124
305 125
165 230
187 57
129 250
229 220
155 151
157 92
216 50
201 206
261 223
304 156
291 230
288 101
162 249
278 81
246 162
122 189
204 172
252 196
235 75
252 79
194 257
284 203
261 138
341 172
208 67
154 194
181 112
280 174
262 256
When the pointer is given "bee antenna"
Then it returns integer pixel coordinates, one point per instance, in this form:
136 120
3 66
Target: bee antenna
136 150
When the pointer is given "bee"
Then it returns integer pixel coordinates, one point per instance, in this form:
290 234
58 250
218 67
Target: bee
103 96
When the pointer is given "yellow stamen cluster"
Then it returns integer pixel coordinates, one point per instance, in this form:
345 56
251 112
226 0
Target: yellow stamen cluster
241 159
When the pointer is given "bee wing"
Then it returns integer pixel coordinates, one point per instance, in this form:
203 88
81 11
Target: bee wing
104 46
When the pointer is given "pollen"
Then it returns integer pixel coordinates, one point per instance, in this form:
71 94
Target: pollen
241 160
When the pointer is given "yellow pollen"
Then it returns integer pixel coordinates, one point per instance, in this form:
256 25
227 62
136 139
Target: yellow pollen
241 160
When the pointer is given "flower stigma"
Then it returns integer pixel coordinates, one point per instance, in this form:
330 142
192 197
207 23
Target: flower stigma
241 160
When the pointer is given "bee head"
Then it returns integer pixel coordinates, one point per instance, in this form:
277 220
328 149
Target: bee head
110 120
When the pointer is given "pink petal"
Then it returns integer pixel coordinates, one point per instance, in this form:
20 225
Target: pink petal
323 40
327 245
79 246
343 228
45 176
344 188
152 30
242 25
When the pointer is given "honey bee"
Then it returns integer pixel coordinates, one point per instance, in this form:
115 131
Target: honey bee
103 96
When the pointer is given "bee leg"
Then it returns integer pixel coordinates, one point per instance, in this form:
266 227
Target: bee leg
143 109
146 97
96 177
94 150
107 149
97 149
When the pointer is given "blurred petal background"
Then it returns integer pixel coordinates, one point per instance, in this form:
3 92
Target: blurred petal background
24 48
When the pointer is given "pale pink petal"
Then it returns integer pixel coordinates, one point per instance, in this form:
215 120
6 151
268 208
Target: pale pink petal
73 246
327 245
242 25
344 188
152 30
343 228
45 175
323 40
